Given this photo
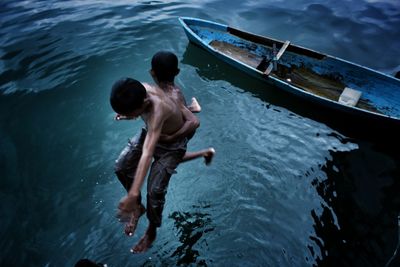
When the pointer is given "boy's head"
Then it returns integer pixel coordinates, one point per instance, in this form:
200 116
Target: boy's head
164 66
127 96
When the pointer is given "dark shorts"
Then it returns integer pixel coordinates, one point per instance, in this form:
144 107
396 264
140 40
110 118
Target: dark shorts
166 159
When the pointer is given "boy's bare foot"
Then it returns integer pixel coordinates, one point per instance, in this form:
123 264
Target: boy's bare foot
145 242
195 106
208 155
130 226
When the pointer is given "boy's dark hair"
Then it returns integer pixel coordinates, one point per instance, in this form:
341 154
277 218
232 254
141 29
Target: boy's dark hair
127 95
165 66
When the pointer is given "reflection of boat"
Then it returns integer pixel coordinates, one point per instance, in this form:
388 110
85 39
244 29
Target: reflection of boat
321 78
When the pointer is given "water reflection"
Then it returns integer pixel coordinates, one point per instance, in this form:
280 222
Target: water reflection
57 147
358 225
191 226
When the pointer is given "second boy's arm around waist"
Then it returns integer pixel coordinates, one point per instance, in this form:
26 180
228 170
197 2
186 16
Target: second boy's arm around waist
188 128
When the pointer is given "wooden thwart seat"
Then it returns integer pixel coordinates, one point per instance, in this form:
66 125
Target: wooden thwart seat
276 58
245 56
349 97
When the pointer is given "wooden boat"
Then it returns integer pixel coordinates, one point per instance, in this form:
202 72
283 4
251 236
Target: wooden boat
324 79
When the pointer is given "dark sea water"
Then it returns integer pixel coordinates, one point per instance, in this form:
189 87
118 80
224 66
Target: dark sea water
289 186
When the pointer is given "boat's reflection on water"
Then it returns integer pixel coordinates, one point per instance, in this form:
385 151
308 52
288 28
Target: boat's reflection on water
358 224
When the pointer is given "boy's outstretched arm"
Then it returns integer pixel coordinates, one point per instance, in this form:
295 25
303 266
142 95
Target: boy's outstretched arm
130 202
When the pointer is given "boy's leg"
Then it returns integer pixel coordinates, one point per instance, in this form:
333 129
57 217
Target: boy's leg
125 165
208 155
161 170
147 239
125 168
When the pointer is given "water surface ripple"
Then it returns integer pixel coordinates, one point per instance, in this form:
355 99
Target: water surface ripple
287 187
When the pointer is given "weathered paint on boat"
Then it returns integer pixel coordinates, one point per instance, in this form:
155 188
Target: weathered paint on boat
322 75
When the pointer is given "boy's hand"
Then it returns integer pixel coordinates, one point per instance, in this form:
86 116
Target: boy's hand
130 210
119 117
127 207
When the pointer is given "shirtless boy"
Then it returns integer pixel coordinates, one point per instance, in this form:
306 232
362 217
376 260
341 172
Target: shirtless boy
162 116
164 68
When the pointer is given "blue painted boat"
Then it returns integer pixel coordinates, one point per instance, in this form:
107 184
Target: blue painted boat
320 78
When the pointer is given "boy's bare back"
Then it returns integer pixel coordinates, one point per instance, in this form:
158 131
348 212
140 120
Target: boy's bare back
163 108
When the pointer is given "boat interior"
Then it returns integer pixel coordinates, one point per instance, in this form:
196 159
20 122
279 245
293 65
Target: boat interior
300 76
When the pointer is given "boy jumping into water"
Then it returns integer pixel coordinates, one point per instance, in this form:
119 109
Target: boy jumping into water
164 68
168 123
161 116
